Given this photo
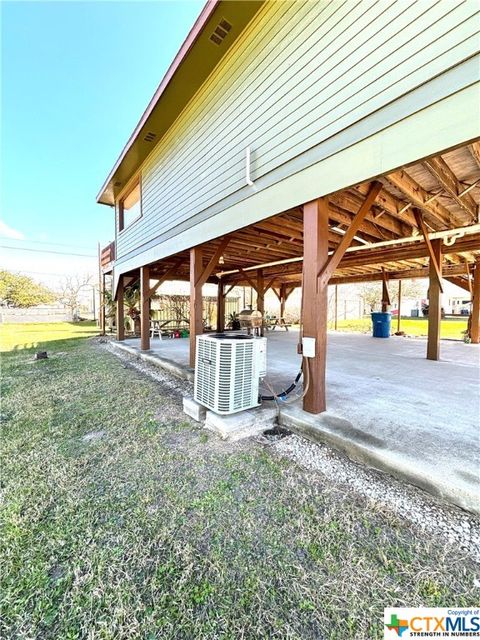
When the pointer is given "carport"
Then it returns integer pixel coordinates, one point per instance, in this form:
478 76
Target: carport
420 221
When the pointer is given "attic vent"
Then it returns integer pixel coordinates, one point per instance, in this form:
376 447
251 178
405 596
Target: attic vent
225 25
221 30
150 136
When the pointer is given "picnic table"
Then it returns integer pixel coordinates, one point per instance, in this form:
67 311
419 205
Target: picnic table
271 323
171 325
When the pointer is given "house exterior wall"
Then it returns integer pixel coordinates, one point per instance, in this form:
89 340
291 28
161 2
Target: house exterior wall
304 82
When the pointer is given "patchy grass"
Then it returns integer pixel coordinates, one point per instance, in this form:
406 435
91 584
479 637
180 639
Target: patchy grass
450 328
39 335
123 520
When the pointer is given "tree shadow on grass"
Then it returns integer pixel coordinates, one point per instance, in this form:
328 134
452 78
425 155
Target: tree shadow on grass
47 337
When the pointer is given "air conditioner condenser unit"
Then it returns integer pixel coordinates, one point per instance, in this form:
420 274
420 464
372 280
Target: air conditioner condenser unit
228 369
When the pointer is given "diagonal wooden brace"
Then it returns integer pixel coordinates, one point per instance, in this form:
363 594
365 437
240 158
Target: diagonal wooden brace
169 272
327 271
431 253
208 270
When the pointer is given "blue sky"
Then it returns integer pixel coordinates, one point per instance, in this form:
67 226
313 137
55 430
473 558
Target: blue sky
76 77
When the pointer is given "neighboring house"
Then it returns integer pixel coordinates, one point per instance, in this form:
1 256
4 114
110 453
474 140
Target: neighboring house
269 107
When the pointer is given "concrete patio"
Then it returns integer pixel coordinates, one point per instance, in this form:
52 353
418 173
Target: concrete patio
388 406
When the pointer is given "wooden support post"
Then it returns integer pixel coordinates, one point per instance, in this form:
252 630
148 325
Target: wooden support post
315 299
196 311
434 301
399 305
385 295
220 307
145 308
336 308
120 310
283 300
261 295
475 319
101 311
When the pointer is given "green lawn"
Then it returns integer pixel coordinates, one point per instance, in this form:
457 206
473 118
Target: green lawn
38 335
121 519
411 326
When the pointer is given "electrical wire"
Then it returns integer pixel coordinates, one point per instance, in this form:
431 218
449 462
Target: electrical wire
60 253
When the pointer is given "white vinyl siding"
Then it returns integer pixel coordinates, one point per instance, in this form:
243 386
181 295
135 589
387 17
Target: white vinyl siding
301 73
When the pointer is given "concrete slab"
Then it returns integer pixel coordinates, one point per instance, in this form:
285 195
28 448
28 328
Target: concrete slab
412 413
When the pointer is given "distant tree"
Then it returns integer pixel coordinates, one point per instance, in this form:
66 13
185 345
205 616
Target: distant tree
70 292
21 291
371 294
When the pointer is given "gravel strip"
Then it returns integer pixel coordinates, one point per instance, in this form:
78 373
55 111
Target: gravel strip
183 387
454 526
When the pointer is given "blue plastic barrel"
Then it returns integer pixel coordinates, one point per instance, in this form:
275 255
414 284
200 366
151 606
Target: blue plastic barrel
381 323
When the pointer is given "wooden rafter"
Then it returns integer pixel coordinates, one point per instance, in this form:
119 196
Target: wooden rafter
420 198
447 179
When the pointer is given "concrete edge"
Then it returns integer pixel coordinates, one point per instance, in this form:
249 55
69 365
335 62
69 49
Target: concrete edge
321 428
178 370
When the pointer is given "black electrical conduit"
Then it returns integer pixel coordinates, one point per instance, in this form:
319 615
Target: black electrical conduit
283 394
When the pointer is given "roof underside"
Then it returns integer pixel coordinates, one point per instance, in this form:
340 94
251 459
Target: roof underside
445 189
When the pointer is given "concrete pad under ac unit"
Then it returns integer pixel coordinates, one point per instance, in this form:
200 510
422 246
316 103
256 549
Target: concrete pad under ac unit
243 424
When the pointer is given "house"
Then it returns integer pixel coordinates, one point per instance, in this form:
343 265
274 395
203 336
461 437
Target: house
301 144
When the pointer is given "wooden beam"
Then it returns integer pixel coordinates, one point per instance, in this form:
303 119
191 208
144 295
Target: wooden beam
144 308
120 310
448 180
460 282
429 243
475 318
327 269
315 300
208 270
196 311
434 301
419 197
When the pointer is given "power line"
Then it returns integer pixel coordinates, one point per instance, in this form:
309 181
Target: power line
53 244
60 253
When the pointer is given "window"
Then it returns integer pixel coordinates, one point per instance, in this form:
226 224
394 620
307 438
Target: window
130 207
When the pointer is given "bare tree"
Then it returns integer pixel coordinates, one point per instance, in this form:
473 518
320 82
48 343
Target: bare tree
70 292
